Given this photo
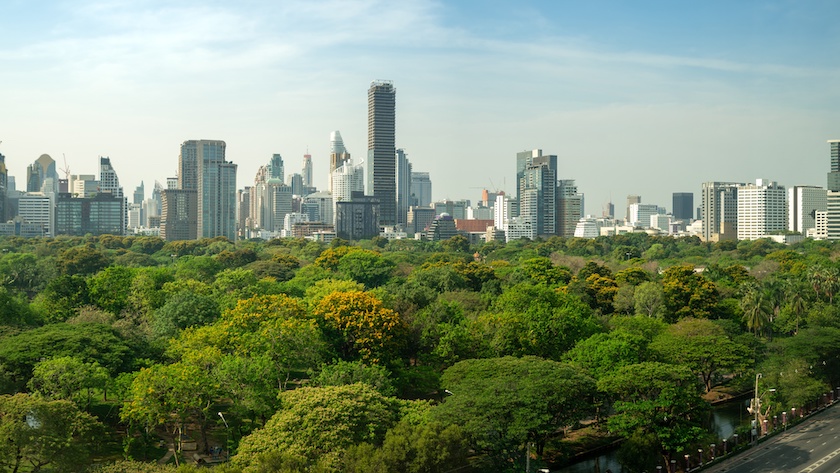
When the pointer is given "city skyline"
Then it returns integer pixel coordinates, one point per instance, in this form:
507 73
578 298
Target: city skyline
644 99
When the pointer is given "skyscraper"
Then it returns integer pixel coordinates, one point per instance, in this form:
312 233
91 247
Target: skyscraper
404 200
833 195
761 209
631 199
338 155
421 189
719 210
202 167
307 170
381 161
803 204
569 207
683 206
42 172
3 186
538 194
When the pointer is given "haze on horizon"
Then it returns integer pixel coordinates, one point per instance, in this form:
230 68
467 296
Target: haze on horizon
643 98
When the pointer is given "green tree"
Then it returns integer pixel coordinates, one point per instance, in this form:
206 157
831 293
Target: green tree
687 294
320 423
656 403
648 299
501 403
68 378
428 447
185 309
37 434
703 347
109 289
756 307
603 353
343 373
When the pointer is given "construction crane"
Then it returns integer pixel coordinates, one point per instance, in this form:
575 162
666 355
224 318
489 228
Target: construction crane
66 169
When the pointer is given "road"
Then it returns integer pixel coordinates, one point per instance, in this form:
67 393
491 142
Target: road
810 447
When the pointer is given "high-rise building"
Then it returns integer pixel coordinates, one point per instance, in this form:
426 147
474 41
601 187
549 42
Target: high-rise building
404 200
380 170
347 179
569 207
357 218
338 154
833 194
179 215
761 209
307 170
39 209
421 189
538 194
202 167
523 160
243 215
803 204
41 176
640 214
631 199
139 194
719 210
275 168
101 214
683 206
4 176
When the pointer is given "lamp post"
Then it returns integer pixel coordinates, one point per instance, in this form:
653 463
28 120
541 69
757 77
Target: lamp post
712 451
227 435
687 462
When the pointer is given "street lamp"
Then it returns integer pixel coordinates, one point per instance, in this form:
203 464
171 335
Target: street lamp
227 440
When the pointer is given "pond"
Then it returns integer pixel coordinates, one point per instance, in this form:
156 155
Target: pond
725 419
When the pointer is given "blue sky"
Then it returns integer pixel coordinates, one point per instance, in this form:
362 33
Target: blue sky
642 98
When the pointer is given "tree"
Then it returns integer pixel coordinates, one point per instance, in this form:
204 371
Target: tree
87 341
537 320
185 309
109 289
687 294
343 373
171 395
649 299
428 447
320 423
703 347
756 307
68 378
82 260
358 325
36 433
366 267
603 353
656 401
501 403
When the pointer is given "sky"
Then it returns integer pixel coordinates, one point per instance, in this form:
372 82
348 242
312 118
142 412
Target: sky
645 98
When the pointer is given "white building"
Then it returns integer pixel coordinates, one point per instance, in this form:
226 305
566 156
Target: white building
587 227
346 179
761 209
518 228
820 230
289 221
502 211
803 203
481 213
39 209
640 214
662 222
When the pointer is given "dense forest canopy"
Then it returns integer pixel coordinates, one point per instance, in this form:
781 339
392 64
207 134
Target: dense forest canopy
292 355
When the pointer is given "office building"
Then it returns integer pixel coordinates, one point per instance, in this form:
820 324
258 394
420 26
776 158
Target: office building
683 206
307 170
442 228
569 207
719 210
419 219
179 214
631 199
404 200
4 177
761 210
357 218
421 189
347 179
538 194
202 167
338 154
102 214
41 176
38 208
380 170
640 214
833 194
803 203
319 207
456 208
